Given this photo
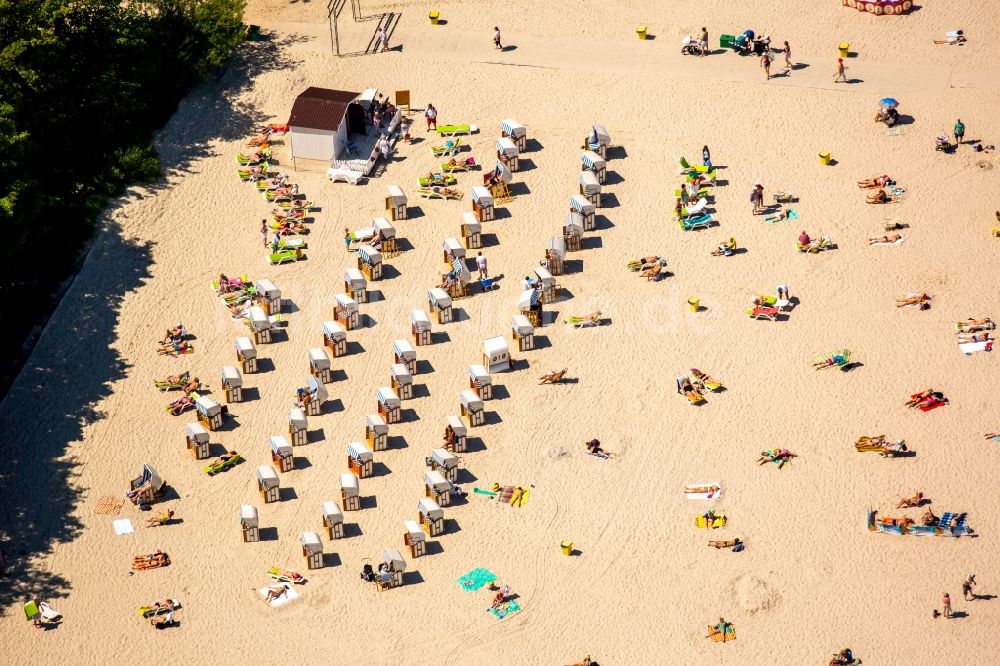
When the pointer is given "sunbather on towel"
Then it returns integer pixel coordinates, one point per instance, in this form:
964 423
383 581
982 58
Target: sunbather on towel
779 216
878 181
890 238
929 519
917 397
718 628
893 449
725 544
175 334
163 622
976 323
879 197
594 449
275 593
910 502
159 519
179 347
975 337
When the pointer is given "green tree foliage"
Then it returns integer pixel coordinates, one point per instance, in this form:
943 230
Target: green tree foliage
83 84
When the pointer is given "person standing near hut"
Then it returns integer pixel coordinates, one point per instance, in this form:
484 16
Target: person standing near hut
431 114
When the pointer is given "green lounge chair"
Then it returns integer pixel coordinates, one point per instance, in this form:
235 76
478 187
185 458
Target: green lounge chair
438 179
699 222
687 168
700 194
222 465
449 148
281 256
452 130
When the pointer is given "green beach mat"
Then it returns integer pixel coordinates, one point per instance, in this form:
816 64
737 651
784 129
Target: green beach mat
476 579
505 609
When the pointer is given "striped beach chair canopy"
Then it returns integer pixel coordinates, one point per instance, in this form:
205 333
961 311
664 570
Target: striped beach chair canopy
369 255
593 161
503 173
511 127
359 451
506 147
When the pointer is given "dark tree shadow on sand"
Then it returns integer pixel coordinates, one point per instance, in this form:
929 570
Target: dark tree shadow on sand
58 391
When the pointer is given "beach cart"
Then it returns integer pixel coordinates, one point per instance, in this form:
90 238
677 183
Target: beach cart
249 523
598 140
445 462
395 565
452 250
318 394
350 492
298 427
431 516
523 332
197 440
387 233
496 355
414 537
360 459
268 484
573 233
335 338
260 325
590 187
420 327
580 204
388 404
395 203
370 262
591 161
440 302
515 131
312 550
403 352
232 384
246 354
345 312
507 152
472 231
376 432
333 520
437 488
457 440
547 284
356 285
281 453
555 255
401 380
147 488
269 296
529 305
210 412
482 204
472 408
319 364
481 382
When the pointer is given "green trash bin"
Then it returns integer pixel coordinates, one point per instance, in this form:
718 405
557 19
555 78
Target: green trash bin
253 33
726 41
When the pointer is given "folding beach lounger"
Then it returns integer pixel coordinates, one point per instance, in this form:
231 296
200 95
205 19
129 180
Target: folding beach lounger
454 130
439 193
222 465
764 313
702 221
464 165
687 168
449 148
446 179
282 256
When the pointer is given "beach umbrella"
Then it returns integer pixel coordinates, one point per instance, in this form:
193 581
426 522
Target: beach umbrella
889 103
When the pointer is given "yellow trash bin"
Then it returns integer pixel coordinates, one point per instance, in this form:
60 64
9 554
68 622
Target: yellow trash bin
694 304
567 547
845 49
641 32
434 16
824 157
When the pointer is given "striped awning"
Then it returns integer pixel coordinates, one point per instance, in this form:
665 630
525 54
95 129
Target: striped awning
457 266
592 160
535 295
512 128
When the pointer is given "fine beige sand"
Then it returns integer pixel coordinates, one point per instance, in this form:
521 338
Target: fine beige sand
83 416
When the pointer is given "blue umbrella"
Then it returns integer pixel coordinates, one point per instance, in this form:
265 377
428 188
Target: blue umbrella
889 103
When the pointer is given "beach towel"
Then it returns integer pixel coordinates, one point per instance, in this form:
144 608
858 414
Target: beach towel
895 131
969 348
895 242
723 637
290 594
602 456
774 219
691 490
505 494
123 526
717 522
476 579
522 499
505 609
480 491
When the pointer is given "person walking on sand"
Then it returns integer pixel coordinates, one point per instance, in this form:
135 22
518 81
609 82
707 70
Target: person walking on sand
481 265
703 41
967 586
263 231
959 131
765 62
496 39
383 40
431 114
347 239
945 606
841 75
787 50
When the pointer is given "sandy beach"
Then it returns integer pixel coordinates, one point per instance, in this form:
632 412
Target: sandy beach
83 416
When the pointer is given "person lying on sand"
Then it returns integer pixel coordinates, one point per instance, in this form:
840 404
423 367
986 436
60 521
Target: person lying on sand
160 519
163 622
929 519
594 449
919 301
585 662
878 181
725 544
891 450
879 197
956 37
910 502
780 456
275 593
888 238
552 377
